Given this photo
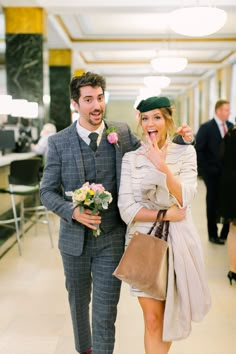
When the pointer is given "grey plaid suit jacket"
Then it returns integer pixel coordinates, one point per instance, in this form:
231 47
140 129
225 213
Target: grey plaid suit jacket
64 172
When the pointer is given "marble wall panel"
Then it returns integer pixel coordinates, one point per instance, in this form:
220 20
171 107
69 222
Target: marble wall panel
60 113
24 66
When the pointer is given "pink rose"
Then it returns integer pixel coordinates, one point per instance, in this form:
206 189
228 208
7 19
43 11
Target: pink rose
97 187
112 138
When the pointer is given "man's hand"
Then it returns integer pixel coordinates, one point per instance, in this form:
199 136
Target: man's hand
85 218
186 133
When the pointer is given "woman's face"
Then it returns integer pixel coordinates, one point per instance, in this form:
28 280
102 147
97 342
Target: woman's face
153 124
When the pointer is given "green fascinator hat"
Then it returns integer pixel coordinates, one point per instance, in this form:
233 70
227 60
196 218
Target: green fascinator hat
153 103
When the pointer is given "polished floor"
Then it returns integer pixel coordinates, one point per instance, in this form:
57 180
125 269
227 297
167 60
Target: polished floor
34 313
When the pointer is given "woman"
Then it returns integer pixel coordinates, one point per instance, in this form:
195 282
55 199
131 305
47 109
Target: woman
227 211
41 148
163 175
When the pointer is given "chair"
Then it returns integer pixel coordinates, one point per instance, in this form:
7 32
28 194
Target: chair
24 181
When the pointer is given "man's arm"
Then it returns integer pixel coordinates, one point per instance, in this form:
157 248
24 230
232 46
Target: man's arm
201 149
51 191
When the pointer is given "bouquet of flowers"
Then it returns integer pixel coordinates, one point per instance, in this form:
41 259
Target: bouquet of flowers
91 196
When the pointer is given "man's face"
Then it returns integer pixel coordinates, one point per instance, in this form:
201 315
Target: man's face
223 112
91 107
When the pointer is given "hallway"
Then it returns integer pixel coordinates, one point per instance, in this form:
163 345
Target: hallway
34 313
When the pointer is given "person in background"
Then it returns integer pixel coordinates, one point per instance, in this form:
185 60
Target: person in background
89 261
208 140
163 175
41 147
227 196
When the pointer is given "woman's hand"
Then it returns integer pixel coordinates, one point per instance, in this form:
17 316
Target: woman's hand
154 154
174 213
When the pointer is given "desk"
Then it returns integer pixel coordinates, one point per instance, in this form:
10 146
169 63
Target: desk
7 159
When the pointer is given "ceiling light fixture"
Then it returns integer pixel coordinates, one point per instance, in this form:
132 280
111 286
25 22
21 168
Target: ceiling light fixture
145 92
169 64
156 81
197 21
5 104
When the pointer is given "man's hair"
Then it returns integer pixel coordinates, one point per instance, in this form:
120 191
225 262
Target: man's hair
86 79
220 103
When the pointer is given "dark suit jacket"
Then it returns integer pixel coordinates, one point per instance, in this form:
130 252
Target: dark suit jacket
208 140
64 172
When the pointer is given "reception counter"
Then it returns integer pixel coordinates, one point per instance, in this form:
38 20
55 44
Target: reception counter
7 159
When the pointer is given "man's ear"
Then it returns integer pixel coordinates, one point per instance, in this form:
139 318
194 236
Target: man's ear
75 105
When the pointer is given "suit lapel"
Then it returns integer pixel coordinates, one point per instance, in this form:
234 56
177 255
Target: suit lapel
216 129
75 146
118 156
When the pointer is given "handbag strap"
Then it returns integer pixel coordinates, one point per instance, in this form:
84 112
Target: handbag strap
163 232
162 229
155 222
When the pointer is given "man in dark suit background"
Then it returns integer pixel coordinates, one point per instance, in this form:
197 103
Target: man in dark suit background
208 141
89 261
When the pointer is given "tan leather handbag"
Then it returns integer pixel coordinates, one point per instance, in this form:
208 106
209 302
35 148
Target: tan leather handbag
144 264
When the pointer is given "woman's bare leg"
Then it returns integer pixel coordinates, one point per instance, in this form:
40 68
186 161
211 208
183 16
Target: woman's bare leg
153 314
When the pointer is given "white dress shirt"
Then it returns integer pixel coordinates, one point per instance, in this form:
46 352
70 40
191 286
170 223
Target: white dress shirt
220 123
84 133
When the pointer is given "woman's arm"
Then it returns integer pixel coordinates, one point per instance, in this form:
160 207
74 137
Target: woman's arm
174 213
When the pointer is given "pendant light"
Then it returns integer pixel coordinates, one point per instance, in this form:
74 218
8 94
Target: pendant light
169 64
156 81
197 21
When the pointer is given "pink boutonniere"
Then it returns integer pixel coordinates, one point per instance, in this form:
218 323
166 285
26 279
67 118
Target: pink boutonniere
112 135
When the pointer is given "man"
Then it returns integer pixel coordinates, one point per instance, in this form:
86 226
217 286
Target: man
89 261
208 140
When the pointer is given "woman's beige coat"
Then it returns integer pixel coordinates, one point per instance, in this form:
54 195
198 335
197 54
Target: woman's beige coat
142 185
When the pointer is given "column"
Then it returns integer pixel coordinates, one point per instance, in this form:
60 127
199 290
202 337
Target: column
24 52
59 78
78 72
219 83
